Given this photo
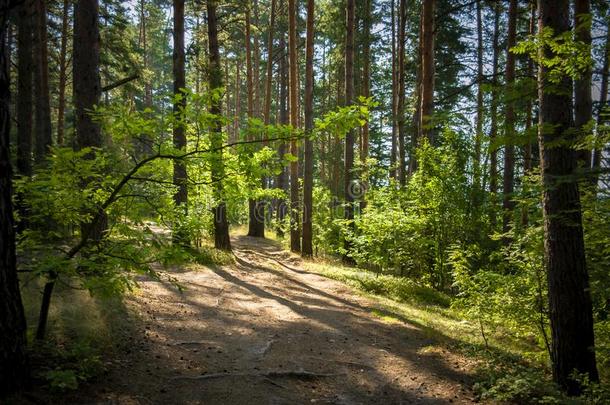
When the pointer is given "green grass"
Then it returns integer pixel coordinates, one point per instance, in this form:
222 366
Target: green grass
503 372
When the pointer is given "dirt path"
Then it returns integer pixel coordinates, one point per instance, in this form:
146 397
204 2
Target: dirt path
251 333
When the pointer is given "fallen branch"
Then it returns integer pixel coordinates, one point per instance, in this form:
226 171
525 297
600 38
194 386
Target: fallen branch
303 374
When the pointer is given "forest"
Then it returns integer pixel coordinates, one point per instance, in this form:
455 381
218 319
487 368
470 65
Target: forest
304 201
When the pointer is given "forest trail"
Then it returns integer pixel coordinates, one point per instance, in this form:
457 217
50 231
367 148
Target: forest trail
251 332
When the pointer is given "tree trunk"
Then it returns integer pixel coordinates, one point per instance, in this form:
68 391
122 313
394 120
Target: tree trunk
179 136
583 104
269 77
237 99
394 150
427 85
295 241
417 113
400 108
476 200
63 73
86 86
493 131
24 88
366 92
256 224
350 12
13 361
509 122
221 224
529 117
41 85
282 177
307 248
568 282
603 103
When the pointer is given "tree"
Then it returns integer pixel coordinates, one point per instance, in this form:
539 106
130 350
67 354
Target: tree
568 281
400 96
366 91
603 99
63 73
13 361
87 87
221 224
295 242
583 103
256 223
307 247
394 150
509 121
24 88
350 11
427 69
493 128
179 136
43 131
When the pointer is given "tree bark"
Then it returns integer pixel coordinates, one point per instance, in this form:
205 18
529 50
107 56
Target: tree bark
63 73
13 360
583 103
256 224
366 92
394 149
43 131
282 177
179 136
427 84
603 103
307 248
24 88
509 123
493 132
295 232
269 77
568 281
529 117
400 108
86 85
221 223
480 114
350 11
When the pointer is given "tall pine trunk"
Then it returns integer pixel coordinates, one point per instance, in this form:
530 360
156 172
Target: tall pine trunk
282 177
427 75
63 73
570 306
307 247
221 223
493 130
366 92
394 149
256 224
41 85
509 122
24 88
179 136
350 12
13 361
400 103
583 104
295 231
603 104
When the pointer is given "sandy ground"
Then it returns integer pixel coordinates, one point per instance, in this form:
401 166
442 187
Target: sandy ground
264 331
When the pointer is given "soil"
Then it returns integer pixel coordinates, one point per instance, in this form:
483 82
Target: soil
265 331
